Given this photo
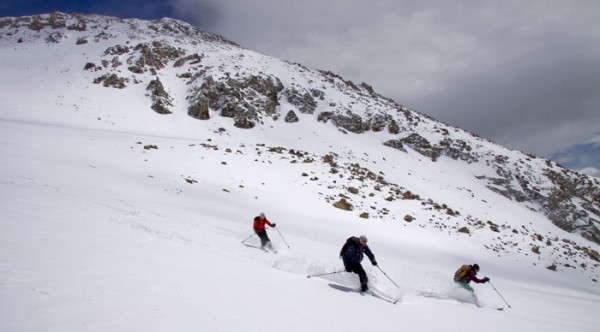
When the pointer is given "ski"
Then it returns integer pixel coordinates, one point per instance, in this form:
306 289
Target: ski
368 292
257 247
380 297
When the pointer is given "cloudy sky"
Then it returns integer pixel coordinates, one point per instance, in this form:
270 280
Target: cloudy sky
525 74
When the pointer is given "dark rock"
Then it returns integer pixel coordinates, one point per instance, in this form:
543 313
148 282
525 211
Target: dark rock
324 116
464 230
304 101
160 98
193 59
291 117
199 110
117 50
343 205
111 80
55 37
393 128
244 100
36 25
351 122
155 55
396 144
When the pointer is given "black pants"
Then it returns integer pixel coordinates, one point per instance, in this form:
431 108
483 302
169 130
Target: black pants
264 239
362 275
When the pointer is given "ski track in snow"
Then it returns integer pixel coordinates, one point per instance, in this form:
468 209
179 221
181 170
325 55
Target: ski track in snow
84 217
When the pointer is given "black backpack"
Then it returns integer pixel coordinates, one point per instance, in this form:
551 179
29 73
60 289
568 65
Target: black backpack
350 242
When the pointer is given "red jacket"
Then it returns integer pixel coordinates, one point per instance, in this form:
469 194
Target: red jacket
259 224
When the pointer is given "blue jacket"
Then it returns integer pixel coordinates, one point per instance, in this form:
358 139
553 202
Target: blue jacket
353 252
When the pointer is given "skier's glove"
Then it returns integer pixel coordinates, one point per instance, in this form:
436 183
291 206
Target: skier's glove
486 279
273 224
374 263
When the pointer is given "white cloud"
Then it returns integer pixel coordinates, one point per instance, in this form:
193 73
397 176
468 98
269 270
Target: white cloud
592 171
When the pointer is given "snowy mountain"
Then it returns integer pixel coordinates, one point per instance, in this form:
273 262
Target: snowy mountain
135 155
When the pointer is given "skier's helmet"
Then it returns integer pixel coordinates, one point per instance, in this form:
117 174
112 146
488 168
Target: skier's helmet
262 215
363 238
476 267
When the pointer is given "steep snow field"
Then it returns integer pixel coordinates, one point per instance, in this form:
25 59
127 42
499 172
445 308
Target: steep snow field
118 218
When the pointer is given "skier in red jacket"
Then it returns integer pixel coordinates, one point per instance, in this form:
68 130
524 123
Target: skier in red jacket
259 229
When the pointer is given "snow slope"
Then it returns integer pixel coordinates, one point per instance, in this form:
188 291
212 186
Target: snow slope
118 218
99 234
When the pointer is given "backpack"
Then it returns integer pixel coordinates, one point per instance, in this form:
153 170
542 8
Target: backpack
348 243
461 273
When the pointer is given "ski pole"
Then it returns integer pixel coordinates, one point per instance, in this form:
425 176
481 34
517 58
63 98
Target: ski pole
324 274
246 239
277 229
388 277
499 294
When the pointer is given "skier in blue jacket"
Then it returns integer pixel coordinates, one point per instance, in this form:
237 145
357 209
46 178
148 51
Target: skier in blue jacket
352 254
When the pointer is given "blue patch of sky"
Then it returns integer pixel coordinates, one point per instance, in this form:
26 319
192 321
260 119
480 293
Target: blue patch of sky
579 156
142 9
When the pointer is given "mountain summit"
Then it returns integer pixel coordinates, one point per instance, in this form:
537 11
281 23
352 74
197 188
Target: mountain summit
134 75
